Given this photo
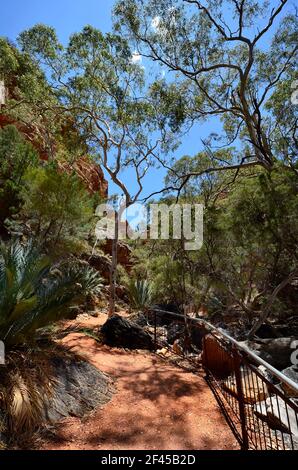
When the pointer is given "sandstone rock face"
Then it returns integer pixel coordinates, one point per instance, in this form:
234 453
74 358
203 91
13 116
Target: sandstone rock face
101 263
80 388
29 132
123 253
120 332
90 173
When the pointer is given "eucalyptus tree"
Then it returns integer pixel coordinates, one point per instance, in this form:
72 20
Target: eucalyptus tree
229 59
99 85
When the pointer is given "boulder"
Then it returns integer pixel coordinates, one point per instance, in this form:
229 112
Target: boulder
254 389
267 331
165 316
197 333
124 252
285 441
101 263
277 415
79 388
139 319
276 351
121 332
174 331
292 373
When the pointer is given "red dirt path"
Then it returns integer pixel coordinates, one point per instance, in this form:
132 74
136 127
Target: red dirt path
157 406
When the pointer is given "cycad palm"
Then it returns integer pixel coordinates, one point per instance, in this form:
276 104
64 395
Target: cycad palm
33 293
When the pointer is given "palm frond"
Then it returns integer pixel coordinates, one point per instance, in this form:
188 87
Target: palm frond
140 293
33 293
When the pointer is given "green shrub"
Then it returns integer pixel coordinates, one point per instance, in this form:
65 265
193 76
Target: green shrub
139 292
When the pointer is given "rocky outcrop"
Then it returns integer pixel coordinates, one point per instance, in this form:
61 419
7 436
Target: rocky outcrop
89 173
123 253
101 263
28 131
120 332
80 387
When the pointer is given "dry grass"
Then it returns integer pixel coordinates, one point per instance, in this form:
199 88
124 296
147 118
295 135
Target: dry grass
27 382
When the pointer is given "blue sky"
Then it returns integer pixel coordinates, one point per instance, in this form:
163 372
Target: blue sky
68 16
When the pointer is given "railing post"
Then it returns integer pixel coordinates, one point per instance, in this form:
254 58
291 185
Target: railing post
240 395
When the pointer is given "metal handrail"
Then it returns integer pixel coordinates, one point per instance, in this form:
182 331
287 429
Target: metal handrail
283 378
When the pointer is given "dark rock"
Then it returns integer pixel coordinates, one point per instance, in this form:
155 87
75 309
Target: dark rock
139 319
101 263
267 331
174 331
292 373
165 316
177 330
197 333
80 388
275 351
120 332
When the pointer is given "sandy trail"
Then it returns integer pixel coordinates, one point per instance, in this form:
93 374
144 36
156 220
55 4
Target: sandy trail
157 406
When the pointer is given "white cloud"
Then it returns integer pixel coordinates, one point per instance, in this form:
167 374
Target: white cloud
155 22
136 58
160 25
